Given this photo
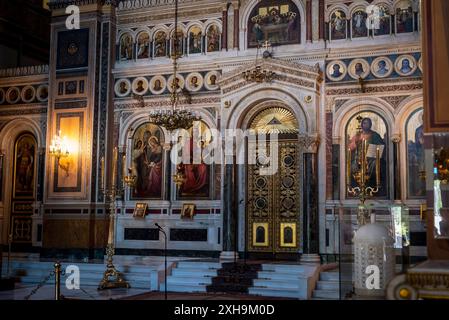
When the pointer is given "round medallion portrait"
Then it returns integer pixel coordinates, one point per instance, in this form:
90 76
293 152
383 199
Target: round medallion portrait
158 85
28 94
122 88
405 65
179 83
194 82
382 67
336 71
140 86
211 82
359 68
42 93
2 96
13 95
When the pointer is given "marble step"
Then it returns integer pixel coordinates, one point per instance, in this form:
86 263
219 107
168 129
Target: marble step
285 268
277 284
190 272
198 265
333 285
86 282
278 275
193 281
326 294
329 276
182 287
274 292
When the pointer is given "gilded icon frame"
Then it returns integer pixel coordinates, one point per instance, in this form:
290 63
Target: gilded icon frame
140 210
283 226
188 211
256 225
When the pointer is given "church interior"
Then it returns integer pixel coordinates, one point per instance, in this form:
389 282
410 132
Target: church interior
289 149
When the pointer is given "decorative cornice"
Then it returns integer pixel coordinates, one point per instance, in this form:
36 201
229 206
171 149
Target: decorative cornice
119 106
20 112
378 89
59 4
24 71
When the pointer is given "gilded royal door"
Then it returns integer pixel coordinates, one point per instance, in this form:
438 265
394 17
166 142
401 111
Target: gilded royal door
273 202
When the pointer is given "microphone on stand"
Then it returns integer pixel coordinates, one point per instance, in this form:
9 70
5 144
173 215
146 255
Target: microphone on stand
157 225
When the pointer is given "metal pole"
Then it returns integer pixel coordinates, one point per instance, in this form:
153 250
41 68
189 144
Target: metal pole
165 270
57 281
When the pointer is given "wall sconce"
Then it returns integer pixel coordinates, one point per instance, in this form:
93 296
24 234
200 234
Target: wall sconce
59 149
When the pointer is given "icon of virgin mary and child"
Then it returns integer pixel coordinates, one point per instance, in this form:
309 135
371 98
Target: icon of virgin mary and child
147 157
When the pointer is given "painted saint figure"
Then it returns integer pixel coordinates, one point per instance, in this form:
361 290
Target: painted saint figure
356 144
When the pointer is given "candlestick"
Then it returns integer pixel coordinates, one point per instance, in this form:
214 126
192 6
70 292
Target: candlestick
114 168
102 173
378 166
124 172
348 168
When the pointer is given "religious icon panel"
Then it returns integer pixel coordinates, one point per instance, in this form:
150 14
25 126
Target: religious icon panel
197 173
337 25
24 167
277 22
367 136
148 157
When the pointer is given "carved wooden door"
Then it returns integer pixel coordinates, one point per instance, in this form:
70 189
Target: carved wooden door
273 200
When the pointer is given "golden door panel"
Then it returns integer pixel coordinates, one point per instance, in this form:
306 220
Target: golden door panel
273 207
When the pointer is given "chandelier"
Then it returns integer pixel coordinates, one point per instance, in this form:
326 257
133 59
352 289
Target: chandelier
175 118
258 74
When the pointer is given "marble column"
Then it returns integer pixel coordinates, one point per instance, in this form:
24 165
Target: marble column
224 34
236 25
322 20
396 167
40 173
229 214
310 200
309 20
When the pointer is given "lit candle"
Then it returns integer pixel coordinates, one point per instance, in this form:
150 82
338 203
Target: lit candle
114 168
348 168
124 171
363 161
378 166
102 173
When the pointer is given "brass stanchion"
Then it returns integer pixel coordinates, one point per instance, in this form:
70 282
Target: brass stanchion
57 281
117 280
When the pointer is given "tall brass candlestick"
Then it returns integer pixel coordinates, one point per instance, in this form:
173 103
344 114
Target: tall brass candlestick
114 168
102 173
378 166
348 167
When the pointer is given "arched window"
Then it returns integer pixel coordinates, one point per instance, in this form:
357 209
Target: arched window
195 40
143 45
279 23
126 47
338 25
367 133
160 44
359 27
213 37
147 158
383 22
414 130
404 17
